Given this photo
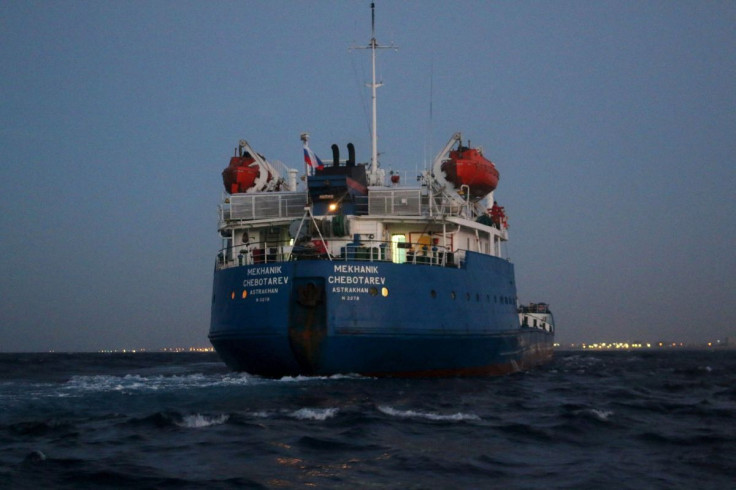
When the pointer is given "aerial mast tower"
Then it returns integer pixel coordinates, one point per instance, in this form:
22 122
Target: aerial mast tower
374 176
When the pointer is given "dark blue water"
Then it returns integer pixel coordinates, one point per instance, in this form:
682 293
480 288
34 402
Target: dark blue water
587 420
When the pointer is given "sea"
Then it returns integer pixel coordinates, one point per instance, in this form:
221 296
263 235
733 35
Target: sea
589 420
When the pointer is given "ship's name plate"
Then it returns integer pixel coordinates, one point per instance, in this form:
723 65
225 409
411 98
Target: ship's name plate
265 281
342 275
355 269
272 279
265 270
377 281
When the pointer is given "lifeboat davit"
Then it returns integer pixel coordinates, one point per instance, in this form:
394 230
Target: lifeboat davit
241 174
468 166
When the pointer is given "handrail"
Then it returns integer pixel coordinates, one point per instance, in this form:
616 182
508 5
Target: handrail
414 253
262 205
390 201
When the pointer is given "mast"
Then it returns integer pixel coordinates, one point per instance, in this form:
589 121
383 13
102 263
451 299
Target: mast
374 177
374 86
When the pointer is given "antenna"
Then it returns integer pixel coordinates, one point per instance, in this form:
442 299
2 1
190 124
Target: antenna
373 20
428 143
374 178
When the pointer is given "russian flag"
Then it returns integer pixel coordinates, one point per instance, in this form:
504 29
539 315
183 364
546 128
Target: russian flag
311 159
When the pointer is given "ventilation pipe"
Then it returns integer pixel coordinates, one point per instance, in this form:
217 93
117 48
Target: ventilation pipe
335 155
351 155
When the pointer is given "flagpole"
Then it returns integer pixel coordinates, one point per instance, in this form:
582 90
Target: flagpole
305 138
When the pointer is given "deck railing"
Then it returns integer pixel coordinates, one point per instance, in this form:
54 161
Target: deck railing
371 251
263 205
408 202
389 202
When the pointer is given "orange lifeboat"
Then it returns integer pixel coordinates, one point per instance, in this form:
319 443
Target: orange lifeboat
241 174
468 166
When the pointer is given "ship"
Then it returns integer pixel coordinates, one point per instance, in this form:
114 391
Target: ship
346 272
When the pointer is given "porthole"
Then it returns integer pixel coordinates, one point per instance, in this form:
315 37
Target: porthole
232 295
373 291
433 293
384 292
245 294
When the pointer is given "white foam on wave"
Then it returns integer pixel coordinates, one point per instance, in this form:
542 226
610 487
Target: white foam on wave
602 415
455 417
198 421
303 379
314 413
131 383
262 414
138 383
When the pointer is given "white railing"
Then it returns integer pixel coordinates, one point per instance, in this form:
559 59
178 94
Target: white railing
415 254
413 202
263 205
402 202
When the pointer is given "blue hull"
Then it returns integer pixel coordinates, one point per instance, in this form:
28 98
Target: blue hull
319 317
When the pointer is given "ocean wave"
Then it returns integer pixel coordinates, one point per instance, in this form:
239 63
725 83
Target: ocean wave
601 415
305 413
575 410
580 359
337 445
35 428
301 378
139 419
262 414
314 413
169 419
198 421
81 385
694 371
137 383
455 417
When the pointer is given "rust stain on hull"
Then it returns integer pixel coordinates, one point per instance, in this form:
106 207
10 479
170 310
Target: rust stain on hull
308 326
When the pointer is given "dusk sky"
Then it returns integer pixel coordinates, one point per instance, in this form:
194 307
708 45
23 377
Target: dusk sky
612 123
